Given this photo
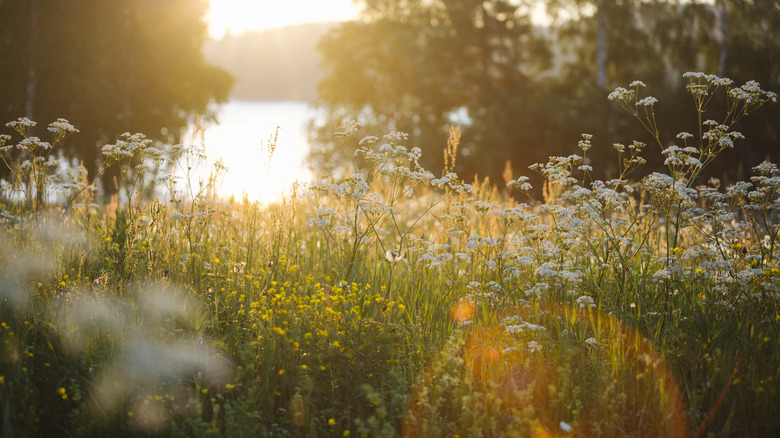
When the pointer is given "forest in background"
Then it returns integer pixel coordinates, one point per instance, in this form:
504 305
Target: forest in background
109 67
276 64
530 91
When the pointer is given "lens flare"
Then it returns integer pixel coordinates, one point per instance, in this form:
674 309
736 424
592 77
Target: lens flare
463 311
547 372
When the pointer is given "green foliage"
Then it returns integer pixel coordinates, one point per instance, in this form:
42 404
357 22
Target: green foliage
109 67
529 91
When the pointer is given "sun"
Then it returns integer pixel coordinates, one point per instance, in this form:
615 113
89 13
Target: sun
238 16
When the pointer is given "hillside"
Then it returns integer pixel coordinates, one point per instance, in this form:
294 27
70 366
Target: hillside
276 64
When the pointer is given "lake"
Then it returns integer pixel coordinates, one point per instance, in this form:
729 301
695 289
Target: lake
241 139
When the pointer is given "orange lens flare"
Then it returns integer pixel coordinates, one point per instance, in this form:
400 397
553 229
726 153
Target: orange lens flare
463 311
546 371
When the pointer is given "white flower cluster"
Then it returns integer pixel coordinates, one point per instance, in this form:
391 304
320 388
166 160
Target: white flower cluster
130 145
452 182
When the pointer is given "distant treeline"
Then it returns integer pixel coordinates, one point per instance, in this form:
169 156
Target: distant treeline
108 67
531 91
276 64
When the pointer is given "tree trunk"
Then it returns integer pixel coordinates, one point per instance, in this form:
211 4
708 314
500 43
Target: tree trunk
32 80
724 36
602 50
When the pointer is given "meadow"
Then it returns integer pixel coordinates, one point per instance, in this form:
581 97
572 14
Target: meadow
389 301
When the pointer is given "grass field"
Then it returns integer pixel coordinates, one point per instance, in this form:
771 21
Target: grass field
393 302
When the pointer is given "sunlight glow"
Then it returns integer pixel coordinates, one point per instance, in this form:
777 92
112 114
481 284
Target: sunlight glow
238 16
240 141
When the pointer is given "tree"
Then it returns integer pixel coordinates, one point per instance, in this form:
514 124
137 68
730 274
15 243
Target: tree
411 66
530 92
656 41
107 66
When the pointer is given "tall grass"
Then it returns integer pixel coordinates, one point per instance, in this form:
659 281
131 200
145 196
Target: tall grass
391 302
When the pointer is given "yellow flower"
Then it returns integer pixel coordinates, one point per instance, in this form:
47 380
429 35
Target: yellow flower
2 380
346 433
332 422
230 386
216 260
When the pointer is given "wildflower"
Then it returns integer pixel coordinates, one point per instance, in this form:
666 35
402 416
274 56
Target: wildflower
393 256
280 330
62 392
534 346
586 301
566 427
592 342
21 125
332 422
647 101
620 93
368 141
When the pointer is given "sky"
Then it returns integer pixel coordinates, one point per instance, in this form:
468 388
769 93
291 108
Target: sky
238 16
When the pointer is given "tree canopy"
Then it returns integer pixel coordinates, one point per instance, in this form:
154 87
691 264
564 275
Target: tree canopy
109 67
528 91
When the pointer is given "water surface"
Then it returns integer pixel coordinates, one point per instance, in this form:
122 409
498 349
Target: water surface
241 139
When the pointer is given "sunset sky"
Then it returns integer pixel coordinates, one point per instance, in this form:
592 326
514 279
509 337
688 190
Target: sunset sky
237 16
